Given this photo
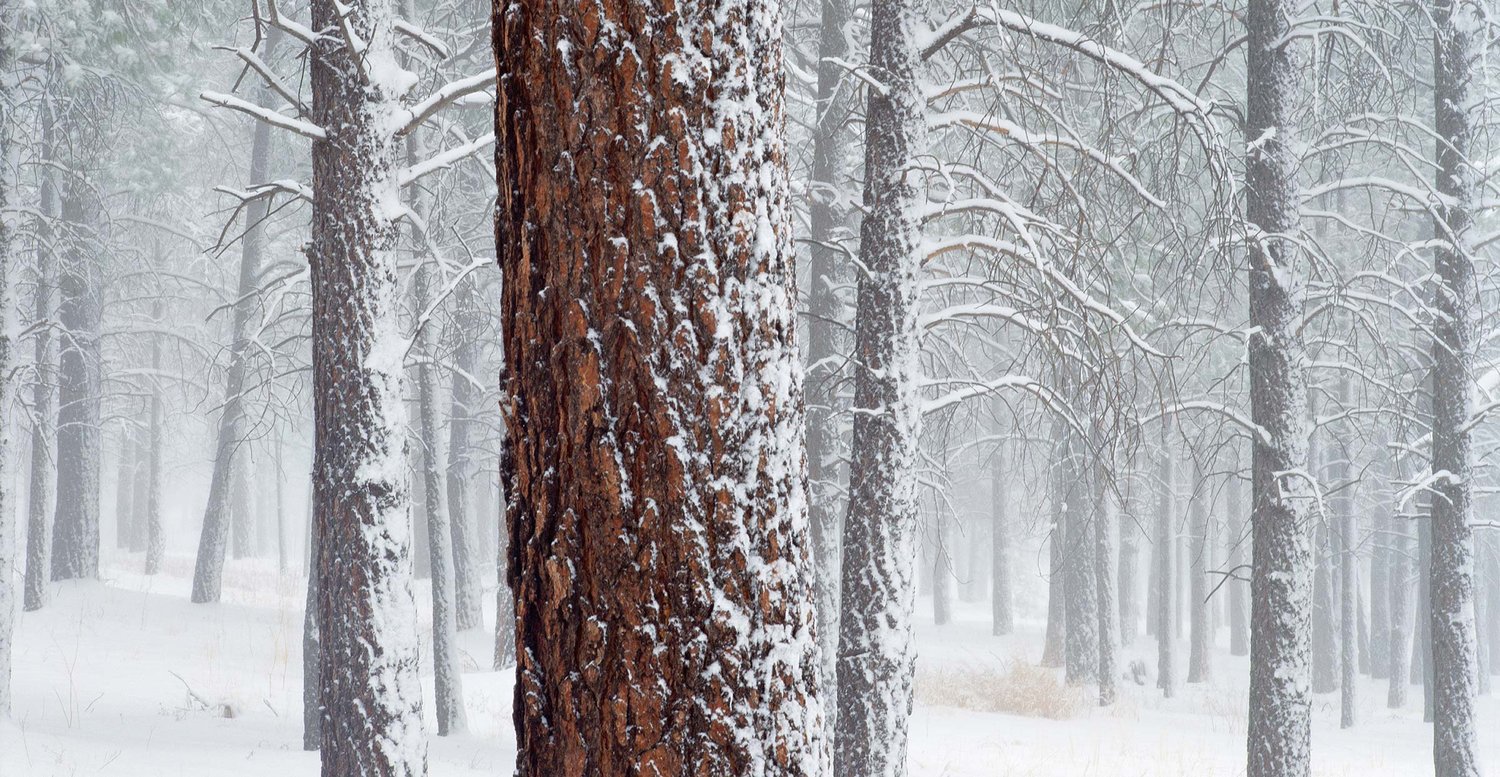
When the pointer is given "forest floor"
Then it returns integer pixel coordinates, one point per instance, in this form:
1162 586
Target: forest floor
125 677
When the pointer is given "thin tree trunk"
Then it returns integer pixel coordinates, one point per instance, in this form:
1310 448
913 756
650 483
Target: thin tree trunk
1348 566
1082 644
1200 630
1163 552
447 675
40 495
213 541
1104 579
1380 599
1002 612
75 537
653 461
1239 594
828 230
1129 570
127 463
468 322
155 540
1401 579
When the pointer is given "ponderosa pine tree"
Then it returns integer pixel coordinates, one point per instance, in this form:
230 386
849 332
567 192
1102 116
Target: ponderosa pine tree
40 493
229 453
653 461
1458 36
1280 717
877 657
369 688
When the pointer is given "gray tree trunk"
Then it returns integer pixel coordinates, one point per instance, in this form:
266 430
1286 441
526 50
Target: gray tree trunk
447 675
1279 725
214 540
1402 576
40 495
1002 610
468 322
1081 653
1200 628
1457 41
75 537
368 665
877 659
828 231
1164 554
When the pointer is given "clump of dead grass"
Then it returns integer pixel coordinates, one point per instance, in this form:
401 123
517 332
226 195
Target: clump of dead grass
1016 688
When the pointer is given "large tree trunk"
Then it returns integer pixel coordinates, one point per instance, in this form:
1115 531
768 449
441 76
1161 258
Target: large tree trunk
1280 730
1458 35
213 541
370 689
653 461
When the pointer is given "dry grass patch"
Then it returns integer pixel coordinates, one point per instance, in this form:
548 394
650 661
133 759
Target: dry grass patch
1017 688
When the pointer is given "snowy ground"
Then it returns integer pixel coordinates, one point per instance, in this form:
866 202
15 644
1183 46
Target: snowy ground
102 680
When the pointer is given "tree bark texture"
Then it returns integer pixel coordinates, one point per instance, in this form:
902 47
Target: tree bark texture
653 462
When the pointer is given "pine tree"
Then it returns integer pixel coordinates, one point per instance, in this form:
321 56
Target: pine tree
653 463
1457 40
1280 735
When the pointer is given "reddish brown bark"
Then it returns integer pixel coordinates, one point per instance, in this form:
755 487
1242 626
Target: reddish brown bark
653 461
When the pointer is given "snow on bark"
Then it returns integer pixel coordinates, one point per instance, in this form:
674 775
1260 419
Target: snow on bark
1279 730
876 654
653 464
368 659
1460 30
